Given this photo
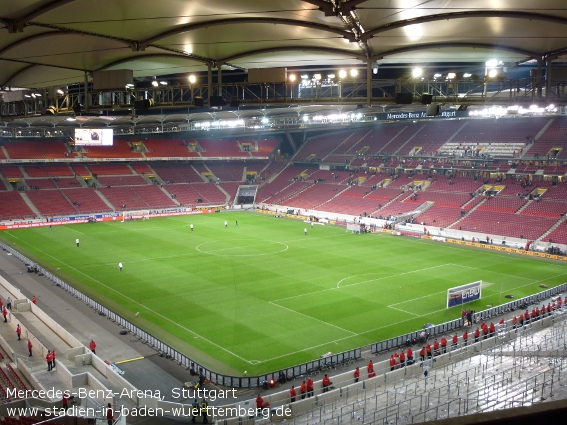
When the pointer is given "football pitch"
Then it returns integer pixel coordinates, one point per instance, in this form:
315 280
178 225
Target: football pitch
262 295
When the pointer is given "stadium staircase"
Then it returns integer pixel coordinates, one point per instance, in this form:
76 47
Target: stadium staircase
30 204
551 229
468 212
328 200
408 140
523 207
5 182
4 151
291 141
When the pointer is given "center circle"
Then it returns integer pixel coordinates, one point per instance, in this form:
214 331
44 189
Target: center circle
242 248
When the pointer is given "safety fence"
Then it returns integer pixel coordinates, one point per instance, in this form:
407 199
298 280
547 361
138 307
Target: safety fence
447 327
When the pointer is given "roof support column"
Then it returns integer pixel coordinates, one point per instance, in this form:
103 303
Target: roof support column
538 78
369 83
548 71
219 80
210 80
87 93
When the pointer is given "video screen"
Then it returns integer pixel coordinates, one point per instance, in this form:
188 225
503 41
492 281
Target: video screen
94 136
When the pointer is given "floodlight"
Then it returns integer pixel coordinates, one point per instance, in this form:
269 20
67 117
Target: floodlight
61 92
451 75
192 79
467 75
417 72
155 83
353 72
342 73
492 73
163 83
292 77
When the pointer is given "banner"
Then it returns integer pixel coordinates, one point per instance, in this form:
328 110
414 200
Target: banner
464 294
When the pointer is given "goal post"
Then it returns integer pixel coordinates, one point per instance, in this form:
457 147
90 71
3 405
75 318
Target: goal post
354 228
463 294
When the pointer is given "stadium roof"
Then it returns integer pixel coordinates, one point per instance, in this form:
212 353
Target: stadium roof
53 42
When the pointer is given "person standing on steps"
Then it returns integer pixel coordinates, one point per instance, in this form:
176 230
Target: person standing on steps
19 332
92 346
30 346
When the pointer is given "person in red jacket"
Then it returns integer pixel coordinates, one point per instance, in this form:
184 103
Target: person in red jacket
409 354
292 394
370 367
422 353
514 322
444 344
18 331
65 401
49 359
491 329
30 346
5 314
428 351
402 359
109 414
476 334
92 346
392 362
356 374
303 390
53 355
466 338
526 317
310 391
34 300
436 351
260 403
326 382
455 341
484 330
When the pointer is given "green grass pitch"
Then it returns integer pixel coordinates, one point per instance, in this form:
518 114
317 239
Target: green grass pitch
262 295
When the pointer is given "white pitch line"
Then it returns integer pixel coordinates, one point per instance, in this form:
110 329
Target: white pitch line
143 306
313 318
358 283
490 271
403 311
418 298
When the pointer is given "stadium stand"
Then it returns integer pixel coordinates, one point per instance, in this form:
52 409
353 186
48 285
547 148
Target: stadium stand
51 202
11 171
86 200
40 184
13 206
109 169
176 172
264 147
138 197
120 149
228 171
37 150
122 180
314 195
552 141
221 148
169 148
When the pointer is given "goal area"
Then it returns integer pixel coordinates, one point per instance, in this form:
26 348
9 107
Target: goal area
463 294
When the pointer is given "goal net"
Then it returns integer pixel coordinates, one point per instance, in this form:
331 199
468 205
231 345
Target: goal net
354 228
464 293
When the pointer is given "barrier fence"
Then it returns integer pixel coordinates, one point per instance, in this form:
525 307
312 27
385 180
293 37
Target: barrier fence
293 371
446 327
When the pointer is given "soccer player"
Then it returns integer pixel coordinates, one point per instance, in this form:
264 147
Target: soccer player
225 224
120 266
305 231
77 242
191 226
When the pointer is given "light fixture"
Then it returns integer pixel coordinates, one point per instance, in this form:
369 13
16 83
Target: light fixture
163 83
61 92
492 73
353 72
37 94
331 76
128 86
317 77
491 63
155 83
437 75
292 77
192 79
451 75
305 77
467 75
71 119
417 72
342 73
